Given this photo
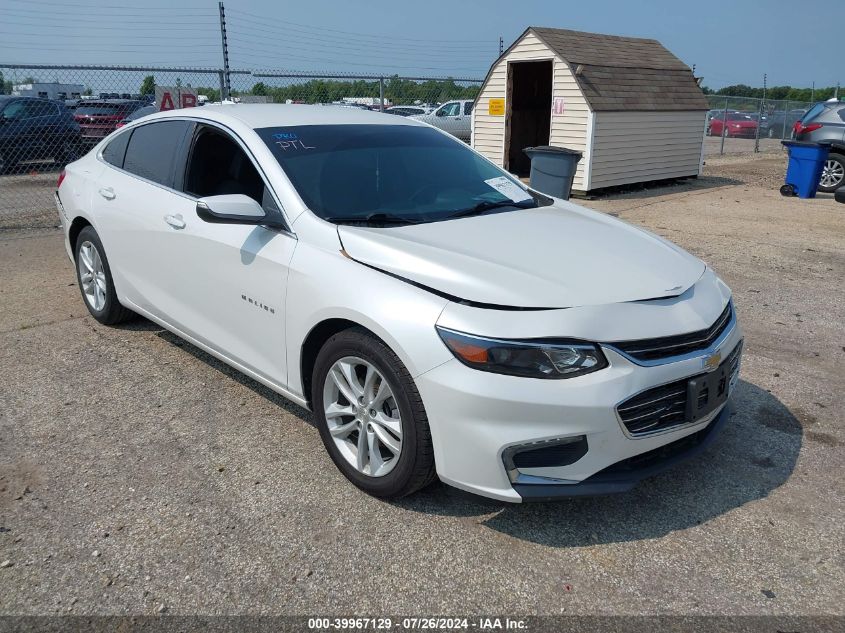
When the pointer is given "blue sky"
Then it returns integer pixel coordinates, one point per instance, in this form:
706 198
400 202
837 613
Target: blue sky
728 41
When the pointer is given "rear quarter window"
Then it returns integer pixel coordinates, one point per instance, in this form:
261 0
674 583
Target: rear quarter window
813 112
115 151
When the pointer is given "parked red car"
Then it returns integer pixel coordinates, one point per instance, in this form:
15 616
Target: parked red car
739 124
100 118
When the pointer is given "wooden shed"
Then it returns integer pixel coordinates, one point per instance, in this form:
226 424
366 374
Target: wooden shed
632 107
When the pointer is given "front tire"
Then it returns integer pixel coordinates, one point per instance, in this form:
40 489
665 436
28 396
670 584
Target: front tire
833 173
95 280
371 417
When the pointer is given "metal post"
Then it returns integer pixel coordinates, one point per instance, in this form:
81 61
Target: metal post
813 92
760 118
222 84
227 86
501 45
724 126
381 94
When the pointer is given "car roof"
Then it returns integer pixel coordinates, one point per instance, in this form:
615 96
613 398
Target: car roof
111 101
261 115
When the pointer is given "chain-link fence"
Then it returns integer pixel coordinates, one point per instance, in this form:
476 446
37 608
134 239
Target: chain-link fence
50 116
743 124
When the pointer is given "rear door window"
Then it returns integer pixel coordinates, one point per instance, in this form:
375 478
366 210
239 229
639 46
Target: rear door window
154 149
468 107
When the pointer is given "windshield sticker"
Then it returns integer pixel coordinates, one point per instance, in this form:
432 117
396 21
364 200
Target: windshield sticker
509 189
292 144
285 136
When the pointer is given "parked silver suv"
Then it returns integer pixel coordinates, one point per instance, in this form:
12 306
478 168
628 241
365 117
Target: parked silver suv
454 117
825 123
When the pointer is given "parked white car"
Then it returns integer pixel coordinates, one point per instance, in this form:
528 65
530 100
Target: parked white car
454 117
440 319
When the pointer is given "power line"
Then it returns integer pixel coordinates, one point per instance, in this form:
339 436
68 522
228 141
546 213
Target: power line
264 19
61 21
62 24
485 57
101 52
285 33
98 7
237 45
181 43
263 57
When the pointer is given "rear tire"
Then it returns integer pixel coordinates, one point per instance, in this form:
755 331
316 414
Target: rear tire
374 472
833 175
93 275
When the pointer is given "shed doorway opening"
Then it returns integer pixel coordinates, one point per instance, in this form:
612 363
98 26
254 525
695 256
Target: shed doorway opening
529 112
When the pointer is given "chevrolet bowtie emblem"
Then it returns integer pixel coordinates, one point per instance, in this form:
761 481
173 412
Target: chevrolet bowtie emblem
712 362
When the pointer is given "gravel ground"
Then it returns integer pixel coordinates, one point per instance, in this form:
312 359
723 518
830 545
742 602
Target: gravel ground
139 475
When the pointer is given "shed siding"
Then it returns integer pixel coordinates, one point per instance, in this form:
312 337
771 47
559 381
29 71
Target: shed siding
568 129
633 147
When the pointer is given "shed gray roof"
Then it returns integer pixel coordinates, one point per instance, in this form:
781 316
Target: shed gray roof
624 73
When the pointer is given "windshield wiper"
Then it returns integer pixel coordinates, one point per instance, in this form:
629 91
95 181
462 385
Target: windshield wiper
374 218
488 205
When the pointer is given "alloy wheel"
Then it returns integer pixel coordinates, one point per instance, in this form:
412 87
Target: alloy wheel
832 174
362 416
92 275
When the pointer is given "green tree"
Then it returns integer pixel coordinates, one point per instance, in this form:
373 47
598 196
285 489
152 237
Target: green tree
260 89
213 94
148 86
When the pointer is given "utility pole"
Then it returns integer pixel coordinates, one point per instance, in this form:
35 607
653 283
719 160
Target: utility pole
837 90
227 86
501 46
813 92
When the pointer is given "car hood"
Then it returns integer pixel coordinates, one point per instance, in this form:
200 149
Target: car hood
557 256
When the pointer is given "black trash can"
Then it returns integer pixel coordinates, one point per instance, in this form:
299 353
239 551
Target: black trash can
553 169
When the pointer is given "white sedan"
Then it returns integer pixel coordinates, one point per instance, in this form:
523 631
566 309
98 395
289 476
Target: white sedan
439 318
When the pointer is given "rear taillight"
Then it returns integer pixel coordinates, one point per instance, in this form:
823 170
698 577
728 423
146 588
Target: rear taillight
119 125
804 129
61 179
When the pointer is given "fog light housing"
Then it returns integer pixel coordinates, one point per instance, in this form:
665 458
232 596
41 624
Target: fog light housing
562 451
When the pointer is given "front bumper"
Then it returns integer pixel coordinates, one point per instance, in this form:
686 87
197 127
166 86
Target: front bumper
624 475
479 420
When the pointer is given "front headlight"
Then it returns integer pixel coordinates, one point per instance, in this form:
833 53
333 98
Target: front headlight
533 358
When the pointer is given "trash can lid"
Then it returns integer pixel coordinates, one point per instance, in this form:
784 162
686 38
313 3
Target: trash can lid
551 149
802 144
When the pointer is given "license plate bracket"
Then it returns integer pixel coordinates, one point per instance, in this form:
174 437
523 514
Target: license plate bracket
707 392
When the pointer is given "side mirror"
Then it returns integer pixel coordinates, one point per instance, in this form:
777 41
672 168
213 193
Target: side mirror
840 195
230 209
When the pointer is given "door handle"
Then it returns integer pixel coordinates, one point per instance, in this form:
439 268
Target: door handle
175 221
107 193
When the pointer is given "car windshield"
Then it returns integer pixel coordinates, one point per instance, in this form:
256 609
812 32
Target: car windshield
390 172
738 116
106 109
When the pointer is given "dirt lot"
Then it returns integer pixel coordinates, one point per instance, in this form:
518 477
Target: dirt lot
138 474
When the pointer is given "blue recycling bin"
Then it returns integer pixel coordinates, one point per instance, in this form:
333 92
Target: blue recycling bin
806 162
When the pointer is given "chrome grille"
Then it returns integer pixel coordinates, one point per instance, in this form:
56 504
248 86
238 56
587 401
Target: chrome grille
664 407
668 346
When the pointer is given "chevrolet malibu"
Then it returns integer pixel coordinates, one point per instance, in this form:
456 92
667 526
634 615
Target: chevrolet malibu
439 318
